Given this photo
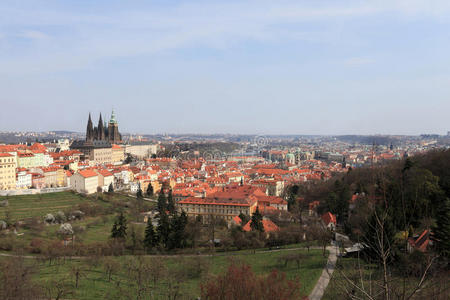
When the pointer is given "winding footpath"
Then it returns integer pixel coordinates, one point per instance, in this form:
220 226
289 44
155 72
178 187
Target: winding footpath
322 283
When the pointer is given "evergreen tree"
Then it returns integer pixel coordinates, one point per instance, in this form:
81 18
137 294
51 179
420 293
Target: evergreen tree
162 203
170 203
114 230
244 218
256 223
151 239
119 229
111 188
163 228
139 194
343 203
150 190
441 232
292 196
177 235
129 159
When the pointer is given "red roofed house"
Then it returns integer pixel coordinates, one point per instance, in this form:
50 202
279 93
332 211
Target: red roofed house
329 220
105 178
268 225
236 221
84 181
419 243
214 207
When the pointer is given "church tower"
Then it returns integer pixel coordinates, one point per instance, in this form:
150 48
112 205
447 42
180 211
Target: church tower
89 130
113 130
100 129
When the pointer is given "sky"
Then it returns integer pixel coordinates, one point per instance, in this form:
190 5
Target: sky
250 67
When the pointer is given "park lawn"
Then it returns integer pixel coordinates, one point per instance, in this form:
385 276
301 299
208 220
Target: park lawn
94 285
26 206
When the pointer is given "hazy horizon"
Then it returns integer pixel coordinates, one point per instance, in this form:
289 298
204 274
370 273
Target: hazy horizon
250 67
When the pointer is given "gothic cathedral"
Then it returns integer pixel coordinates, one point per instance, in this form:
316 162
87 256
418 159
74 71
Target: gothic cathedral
104 132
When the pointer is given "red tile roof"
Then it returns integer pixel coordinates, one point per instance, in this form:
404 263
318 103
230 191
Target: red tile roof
104 173
214 201
87 173
329 218
268 225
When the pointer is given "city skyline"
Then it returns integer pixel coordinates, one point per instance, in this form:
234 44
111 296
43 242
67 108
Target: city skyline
290 67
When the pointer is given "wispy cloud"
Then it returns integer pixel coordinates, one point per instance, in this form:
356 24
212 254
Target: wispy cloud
119 33
33 34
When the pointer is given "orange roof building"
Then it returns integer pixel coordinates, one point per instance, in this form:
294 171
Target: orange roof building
268 225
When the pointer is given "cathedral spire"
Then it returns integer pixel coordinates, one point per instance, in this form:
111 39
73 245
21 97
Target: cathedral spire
89 130
100 129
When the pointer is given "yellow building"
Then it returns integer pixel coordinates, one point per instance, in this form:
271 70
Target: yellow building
97 152
61 177
145 183
101 156
118 154
26 160
212 207
7 171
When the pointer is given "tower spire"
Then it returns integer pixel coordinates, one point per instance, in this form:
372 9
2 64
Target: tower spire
100 129
113 117
89 129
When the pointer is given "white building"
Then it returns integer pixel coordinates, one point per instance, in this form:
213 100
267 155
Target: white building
84 181
23 180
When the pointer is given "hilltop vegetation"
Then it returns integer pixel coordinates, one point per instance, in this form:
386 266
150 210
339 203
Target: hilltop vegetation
386 208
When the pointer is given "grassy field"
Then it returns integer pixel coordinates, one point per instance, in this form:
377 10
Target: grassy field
94 284
95 228
26 206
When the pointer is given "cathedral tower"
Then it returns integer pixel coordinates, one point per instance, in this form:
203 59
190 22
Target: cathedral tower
89 130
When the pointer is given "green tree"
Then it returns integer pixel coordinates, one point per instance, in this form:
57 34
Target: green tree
150 190
177 235
244 219
119 229
257 223
170 202
151 239
139 194
162 203
163 228
129 159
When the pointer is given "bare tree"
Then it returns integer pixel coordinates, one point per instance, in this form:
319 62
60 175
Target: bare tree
16 280
77 272
57 288
110 266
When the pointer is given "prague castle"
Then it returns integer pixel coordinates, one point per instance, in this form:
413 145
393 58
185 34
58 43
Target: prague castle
100 146
103 132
